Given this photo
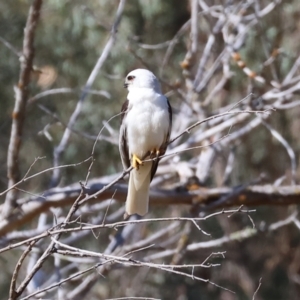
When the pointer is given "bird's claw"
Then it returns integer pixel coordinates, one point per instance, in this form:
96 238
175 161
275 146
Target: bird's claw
136 162
154 153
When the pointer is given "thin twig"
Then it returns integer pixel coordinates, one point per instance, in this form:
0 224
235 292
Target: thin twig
19 112
256 291
13 294
67 133
187 130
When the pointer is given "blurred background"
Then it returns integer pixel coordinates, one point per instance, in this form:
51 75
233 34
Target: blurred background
208 55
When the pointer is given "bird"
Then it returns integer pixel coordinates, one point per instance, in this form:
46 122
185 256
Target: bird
146 121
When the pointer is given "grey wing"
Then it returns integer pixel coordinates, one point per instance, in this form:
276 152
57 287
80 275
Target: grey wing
123 146
164 146
170 127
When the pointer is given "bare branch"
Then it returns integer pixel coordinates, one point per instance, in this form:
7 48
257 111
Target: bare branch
13 294
65 139
21 97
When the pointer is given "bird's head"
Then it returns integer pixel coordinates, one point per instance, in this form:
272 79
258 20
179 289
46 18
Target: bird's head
141 78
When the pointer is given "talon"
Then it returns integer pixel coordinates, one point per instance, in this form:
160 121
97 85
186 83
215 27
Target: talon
157 153
154 153
136 162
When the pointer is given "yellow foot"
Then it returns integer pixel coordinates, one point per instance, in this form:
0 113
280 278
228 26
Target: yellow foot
136 162
154 153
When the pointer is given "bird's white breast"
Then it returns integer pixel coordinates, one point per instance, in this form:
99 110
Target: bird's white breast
147 121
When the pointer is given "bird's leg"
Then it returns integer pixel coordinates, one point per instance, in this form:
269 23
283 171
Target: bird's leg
136 162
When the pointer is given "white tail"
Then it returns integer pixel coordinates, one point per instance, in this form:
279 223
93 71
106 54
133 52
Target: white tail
138 190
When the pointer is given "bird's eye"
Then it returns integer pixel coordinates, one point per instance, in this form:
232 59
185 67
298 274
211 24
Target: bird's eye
130 78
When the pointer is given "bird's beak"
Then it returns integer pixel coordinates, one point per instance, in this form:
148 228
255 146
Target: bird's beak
126 84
